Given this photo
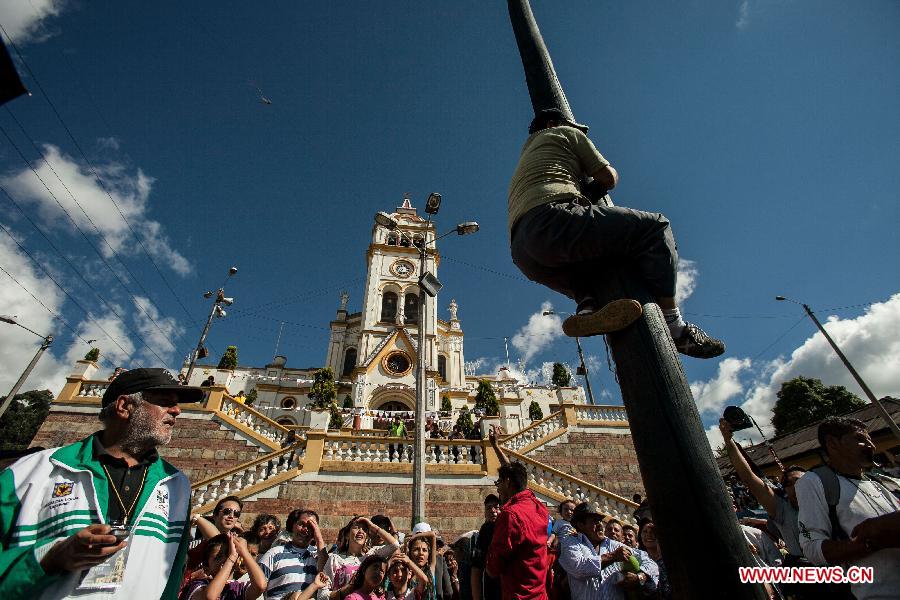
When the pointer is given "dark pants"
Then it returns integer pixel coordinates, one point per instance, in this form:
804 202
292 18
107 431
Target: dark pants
569 247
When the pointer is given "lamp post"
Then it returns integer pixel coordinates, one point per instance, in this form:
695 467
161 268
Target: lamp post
48 339
429 285
865 388
583 368
215 312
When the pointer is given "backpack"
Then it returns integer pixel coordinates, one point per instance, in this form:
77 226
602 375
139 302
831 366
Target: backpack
832 488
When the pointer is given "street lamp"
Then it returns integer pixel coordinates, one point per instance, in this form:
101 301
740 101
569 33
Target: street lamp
429 285
48 339
582 368
881 409
216 312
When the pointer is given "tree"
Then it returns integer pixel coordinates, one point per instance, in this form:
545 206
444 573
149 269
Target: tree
534 411
23 418
486 399
92 355
348 401
561 377
446 405
251 397
323 391
229 359
337 419
803 400
464 420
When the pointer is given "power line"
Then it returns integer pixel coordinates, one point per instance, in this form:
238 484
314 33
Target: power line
81 231
779 338
81 276
62 289
140 242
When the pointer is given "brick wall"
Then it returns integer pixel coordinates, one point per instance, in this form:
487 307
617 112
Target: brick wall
607 460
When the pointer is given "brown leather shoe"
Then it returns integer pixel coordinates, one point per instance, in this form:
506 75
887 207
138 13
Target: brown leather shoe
616 315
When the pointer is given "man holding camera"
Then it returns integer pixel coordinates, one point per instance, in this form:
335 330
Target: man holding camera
105 516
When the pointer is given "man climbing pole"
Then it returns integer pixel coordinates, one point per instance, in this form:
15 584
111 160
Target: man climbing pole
564 229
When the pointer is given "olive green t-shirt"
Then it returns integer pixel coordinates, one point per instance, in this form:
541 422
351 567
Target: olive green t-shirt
551 167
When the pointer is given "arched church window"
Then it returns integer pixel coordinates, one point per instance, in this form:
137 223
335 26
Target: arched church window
419 242
389 306
349 361
411 308
404 241
442 366
392 239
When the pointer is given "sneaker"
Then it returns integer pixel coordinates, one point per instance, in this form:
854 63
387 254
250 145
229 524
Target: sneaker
616 315
695 342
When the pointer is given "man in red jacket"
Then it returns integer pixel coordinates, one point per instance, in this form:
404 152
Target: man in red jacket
518 552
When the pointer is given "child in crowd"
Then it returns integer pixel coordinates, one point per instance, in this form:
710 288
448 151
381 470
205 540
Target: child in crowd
222 555
400 571
368 580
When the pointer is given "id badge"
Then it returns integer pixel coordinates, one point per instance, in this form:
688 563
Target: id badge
108 575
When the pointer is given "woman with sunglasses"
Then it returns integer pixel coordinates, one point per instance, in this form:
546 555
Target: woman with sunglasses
226 518
353 545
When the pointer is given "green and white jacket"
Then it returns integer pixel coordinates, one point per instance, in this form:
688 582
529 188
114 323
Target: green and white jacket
49 495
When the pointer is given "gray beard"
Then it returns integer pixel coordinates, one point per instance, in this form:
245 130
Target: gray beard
142 434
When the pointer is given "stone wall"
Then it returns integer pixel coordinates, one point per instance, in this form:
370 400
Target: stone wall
607 460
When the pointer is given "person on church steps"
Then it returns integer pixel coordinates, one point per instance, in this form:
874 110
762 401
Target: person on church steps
130 544
561 238
291 567
354 544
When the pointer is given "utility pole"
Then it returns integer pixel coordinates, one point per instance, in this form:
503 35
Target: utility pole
15 389
587 379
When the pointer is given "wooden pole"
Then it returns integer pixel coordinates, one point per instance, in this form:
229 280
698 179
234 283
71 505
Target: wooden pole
698 532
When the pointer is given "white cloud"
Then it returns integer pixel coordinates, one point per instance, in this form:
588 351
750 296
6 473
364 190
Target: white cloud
130 191
687 280
537 334
159 332
870 343
26 20
743 20
712 395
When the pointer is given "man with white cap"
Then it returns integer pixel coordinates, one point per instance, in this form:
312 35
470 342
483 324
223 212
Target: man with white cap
105 516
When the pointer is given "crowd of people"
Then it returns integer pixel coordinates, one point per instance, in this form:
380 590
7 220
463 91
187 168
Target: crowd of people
75 518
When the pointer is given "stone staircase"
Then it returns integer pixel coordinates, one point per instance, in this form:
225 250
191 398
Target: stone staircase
227 448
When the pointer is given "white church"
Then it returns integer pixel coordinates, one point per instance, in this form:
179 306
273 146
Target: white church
373 352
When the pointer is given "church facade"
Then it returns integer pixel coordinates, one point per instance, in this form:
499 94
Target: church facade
373 352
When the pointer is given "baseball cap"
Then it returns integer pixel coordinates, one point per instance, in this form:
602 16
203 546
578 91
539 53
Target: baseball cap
582 512
421 528
141 380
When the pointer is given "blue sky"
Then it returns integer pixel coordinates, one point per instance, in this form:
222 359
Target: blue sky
766 131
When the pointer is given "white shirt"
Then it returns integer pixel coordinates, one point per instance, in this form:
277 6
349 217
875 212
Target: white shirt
588 580
860 500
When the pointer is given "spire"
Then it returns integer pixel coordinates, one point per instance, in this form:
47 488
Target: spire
406 208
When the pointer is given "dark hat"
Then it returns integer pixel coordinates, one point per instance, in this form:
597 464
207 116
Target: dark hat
553 114
141 380
584 511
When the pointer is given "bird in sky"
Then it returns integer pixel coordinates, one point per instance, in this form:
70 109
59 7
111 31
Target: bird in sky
262 97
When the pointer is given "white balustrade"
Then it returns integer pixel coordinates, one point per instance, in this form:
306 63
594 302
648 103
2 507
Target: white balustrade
393 450
255 421
586 412
569 487
534 433
93 389
250 474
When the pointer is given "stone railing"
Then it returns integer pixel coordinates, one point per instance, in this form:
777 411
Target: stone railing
246 475
560 486
534 432
245 415
400 450
587 412
93 389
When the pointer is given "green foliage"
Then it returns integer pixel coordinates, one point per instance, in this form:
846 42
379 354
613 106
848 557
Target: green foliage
486 399
534 411
464 420
92 355
348 402
337 419
561 376
803 400
323 391
251 397
721 452
446 405
229 359
22 418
